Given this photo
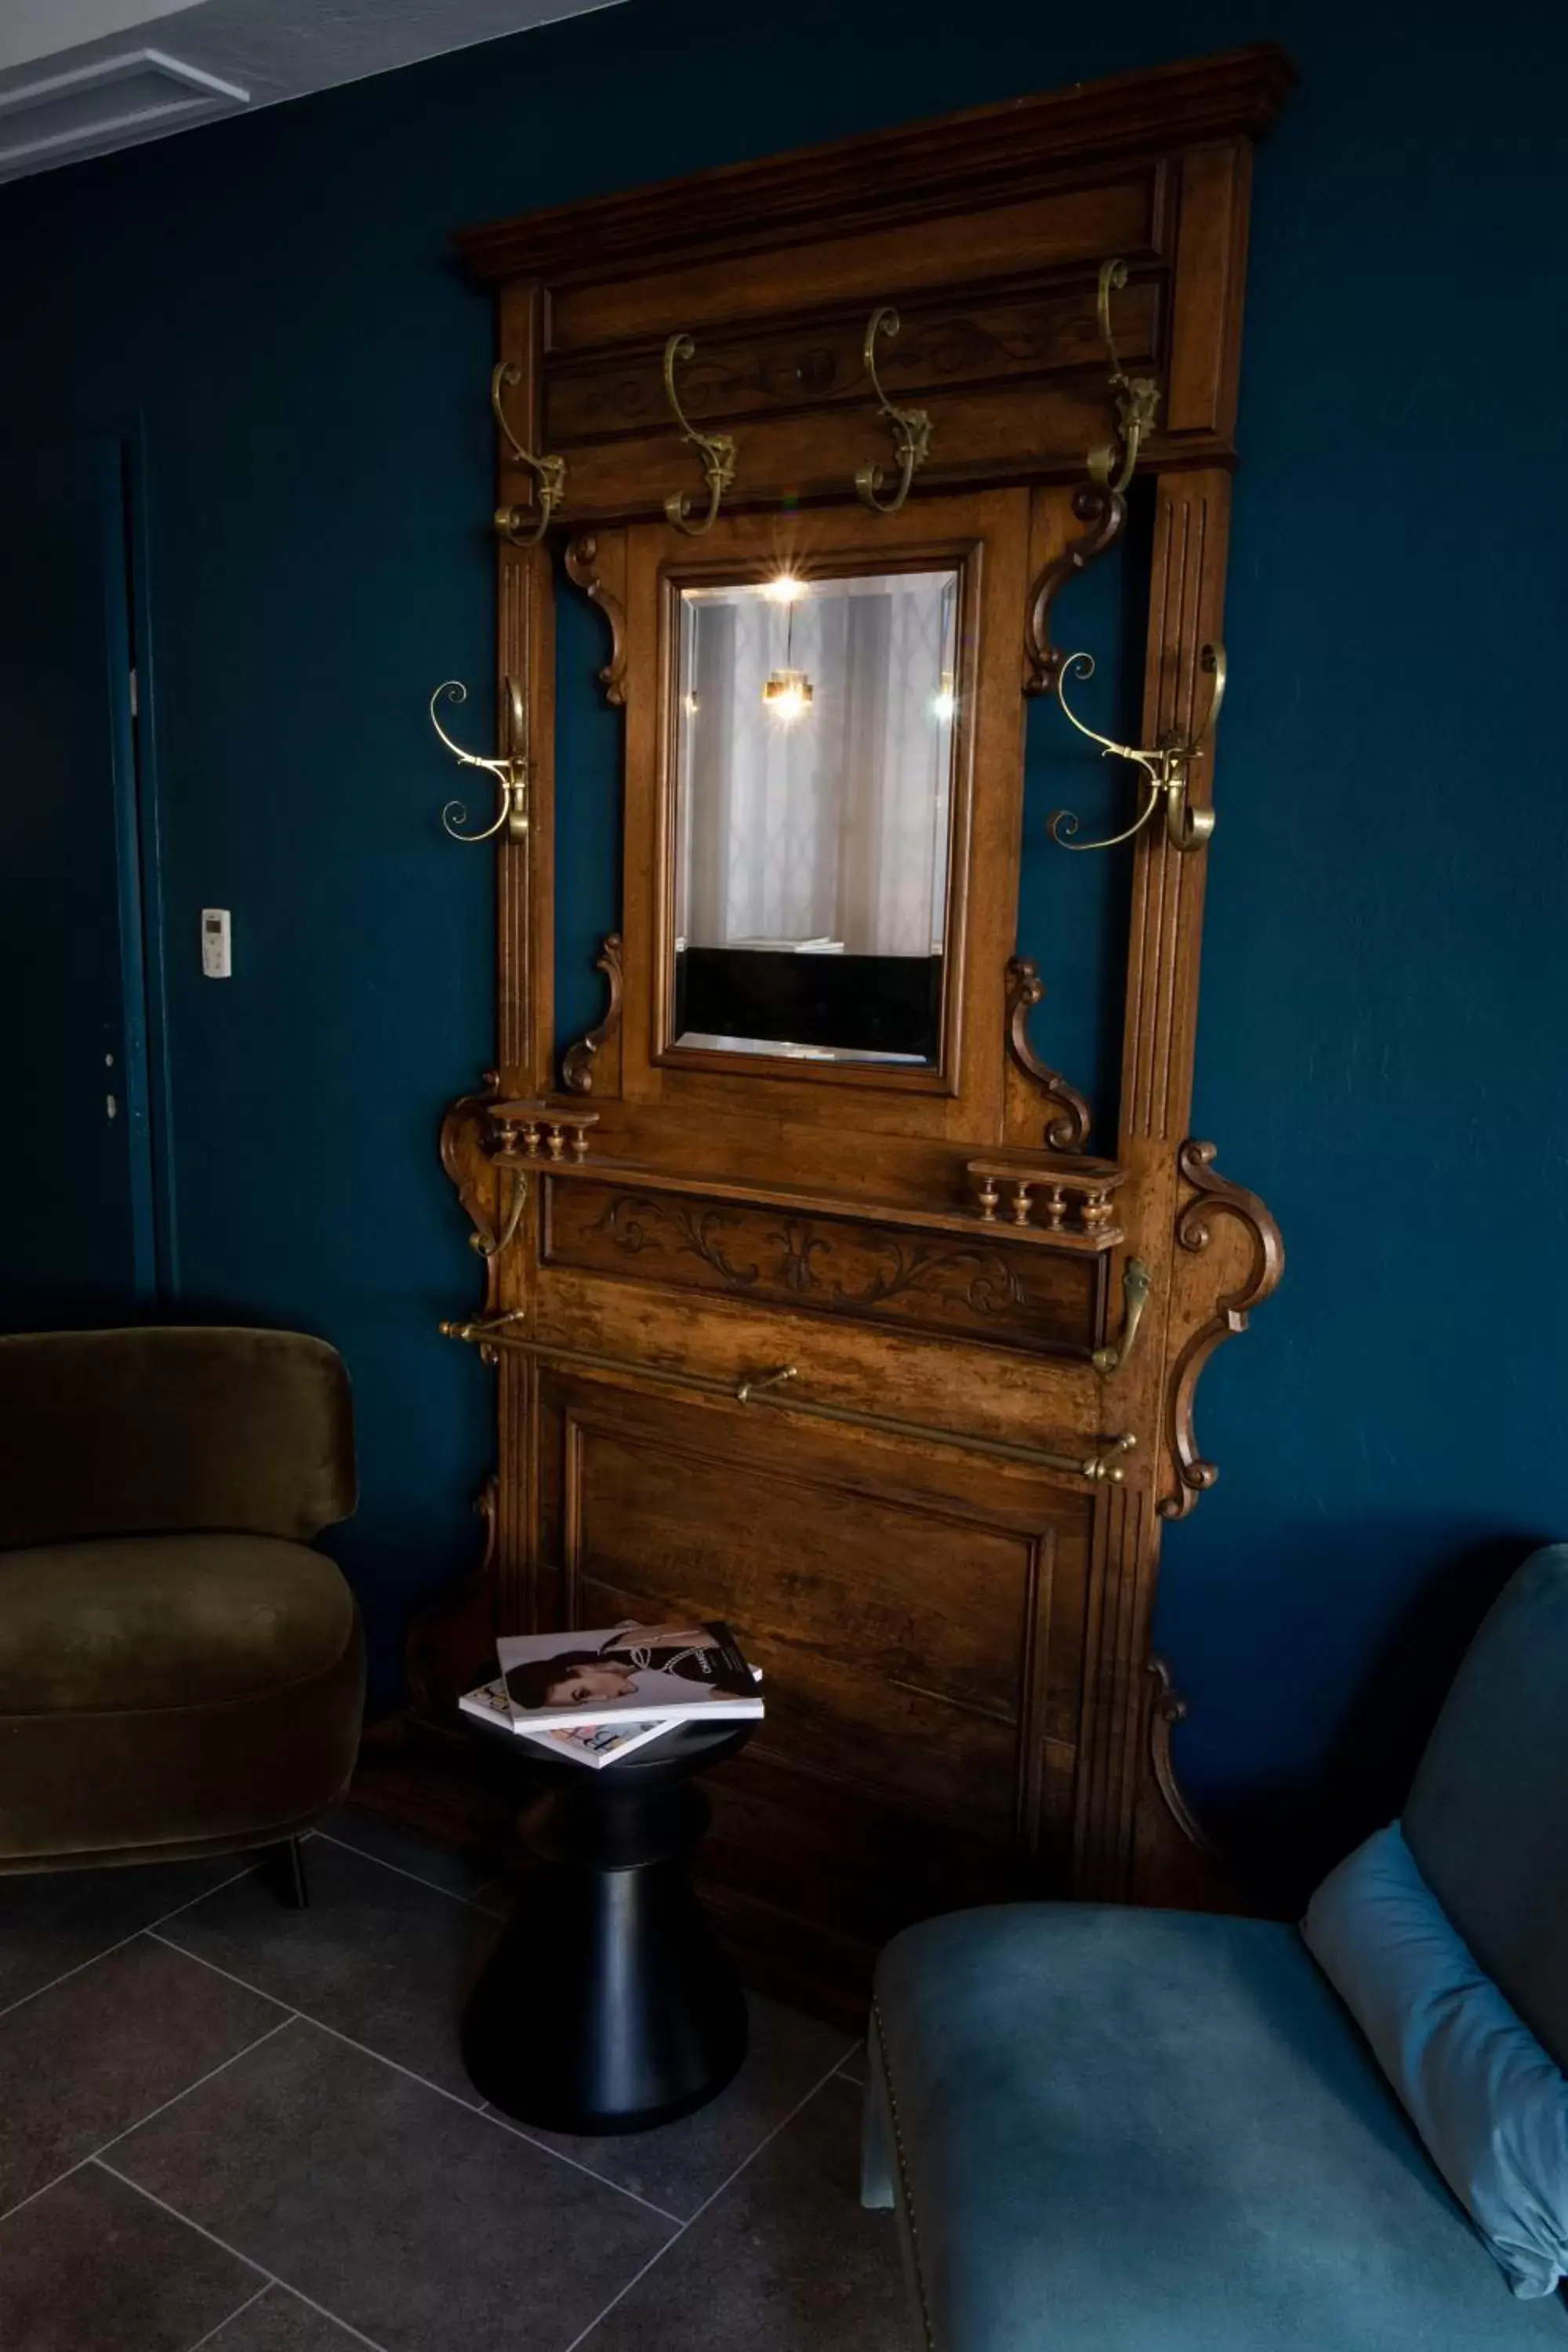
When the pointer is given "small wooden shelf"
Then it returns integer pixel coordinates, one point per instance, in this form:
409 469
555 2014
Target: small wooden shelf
1044 1192
1096 1177
534 1129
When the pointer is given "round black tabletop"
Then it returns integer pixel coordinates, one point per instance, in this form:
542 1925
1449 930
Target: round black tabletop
684 1748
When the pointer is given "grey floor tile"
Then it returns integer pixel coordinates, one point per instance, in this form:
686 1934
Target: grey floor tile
438 1865
376 1957
90 2267
413 2219
94 2054
278 2322
785 2261
682 2164
55 1919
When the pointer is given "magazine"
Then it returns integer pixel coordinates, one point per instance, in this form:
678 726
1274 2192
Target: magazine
629 1672
593 1744
489 1701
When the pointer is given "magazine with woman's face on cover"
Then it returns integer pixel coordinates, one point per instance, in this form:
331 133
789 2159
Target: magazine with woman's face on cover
655 1672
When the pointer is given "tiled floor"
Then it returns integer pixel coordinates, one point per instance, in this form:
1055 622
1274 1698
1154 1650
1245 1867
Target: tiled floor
229 2125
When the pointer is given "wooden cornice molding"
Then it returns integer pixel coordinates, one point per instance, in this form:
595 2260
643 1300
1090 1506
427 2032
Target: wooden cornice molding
987 154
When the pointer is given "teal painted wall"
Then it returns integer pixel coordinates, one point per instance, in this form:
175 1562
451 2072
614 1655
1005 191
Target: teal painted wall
1384 991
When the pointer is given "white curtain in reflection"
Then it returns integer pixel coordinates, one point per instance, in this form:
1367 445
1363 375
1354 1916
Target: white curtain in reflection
834 827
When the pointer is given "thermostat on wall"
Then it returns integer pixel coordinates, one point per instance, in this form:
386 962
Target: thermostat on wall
215 960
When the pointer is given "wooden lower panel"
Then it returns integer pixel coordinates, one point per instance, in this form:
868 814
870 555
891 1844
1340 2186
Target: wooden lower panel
919 1624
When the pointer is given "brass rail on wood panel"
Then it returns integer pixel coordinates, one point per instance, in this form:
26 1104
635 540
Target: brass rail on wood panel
1102 1467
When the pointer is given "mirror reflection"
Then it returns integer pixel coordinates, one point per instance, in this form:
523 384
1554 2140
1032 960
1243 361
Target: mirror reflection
813 786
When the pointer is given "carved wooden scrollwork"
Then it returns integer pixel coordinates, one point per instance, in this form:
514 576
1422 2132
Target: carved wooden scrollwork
1215 1196
996 1285
577 1062
1105 511
809 1260
466 1166
582 571
984 1282
463 1162
1068 1130
633 1224
1168 1708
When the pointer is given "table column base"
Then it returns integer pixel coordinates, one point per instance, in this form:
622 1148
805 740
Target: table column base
607 2005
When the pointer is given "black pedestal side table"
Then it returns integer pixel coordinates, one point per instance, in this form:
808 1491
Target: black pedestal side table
607 2005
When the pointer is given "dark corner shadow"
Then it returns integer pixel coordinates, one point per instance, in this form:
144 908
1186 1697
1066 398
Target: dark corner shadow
1282 1837
26 1312
62 1308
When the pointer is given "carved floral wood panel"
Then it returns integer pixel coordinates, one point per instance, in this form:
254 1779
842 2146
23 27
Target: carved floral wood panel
1020 1297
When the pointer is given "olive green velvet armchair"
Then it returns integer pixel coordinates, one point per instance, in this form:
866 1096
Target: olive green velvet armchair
180 1672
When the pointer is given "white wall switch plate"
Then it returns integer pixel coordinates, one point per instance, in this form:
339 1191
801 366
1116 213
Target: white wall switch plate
216 961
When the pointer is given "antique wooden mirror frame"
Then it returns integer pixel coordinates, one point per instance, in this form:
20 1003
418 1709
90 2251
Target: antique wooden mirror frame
878 1361
755 550
985 538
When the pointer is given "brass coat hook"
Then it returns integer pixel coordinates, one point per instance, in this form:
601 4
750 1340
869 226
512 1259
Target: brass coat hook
1167 769
549 473
496 1244
1137 399
911 427
509 771
716 450
1137 1282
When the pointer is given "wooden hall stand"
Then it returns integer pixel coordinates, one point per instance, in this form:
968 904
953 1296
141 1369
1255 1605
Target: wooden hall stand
872 1360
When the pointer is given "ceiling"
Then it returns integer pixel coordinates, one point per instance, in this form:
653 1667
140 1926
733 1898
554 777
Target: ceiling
81 77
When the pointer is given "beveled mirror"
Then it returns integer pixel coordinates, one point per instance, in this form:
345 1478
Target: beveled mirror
815 726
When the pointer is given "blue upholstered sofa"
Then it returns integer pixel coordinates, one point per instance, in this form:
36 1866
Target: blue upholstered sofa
1116 2130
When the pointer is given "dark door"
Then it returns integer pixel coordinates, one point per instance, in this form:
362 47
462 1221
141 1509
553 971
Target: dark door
76 1223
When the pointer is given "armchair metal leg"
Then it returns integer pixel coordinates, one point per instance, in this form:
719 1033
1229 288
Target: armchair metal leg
286 1868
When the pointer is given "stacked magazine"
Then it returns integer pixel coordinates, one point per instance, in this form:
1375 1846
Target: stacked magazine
596 1696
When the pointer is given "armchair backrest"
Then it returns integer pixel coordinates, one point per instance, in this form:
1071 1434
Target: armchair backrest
1487 1816
170 1430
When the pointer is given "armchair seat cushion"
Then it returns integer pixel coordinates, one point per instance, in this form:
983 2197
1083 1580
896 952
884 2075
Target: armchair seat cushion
171 1693
1140 2131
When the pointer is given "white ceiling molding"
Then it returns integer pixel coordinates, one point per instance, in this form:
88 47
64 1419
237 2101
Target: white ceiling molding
31 30
60 116
234 55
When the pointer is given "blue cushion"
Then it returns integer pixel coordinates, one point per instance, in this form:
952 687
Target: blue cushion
1488 2102
1141 2131
1487 1816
